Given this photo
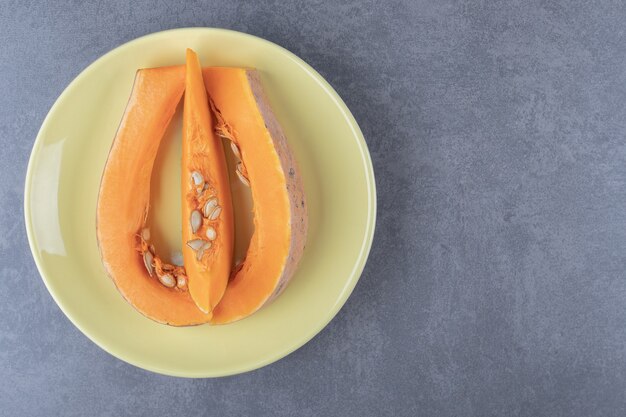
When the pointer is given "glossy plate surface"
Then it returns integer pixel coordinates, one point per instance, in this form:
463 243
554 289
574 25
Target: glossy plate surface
64 175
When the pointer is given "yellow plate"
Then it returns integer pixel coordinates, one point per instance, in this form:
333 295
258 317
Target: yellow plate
62 186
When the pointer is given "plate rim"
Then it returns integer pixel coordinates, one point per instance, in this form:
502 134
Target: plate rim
343 295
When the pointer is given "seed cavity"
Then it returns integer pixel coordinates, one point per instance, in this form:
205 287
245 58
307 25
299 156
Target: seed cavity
215 213
147 261
195 244
209 206
211 234
195 220
167 280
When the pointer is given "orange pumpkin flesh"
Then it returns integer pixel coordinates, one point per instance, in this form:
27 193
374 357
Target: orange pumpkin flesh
125 194
243 115
203 159
280 216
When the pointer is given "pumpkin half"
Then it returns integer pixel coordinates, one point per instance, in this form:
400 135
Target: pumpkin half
206 201
243 115
155 289
201 291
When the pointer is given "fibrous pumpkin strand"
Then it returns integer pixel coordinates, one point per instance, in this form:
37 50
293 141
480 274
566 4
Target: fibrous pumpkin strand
223 130
168 267
221 133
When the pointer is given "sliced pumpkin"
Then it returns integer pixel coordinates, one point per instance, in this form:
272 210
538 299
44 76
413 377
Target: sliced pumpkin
266 163
154 288
206 199
201 292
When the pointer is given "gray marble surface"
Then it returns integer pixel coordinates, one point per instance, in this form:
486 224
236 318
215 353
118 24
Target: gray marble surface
496 283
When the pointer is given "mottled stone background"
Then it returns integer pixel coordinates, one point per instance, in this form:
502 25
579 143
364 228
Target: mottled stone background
496 283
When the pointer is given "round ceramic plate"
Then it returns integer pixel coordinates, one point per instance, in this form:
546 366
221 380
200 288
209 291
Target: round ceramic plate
62 185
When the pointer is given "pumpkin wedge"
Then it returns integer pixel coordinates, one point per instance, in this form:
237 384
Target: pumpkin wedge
244 116
154 288
207 210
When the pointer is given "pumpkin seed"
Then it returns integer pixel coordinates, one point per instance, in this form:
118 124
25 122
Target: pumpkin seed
209 206
215 213
147 261
145 233
152 249
197 178
200 252
242 178
195 220
235 149
195 244
210 233
181 281
167 280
